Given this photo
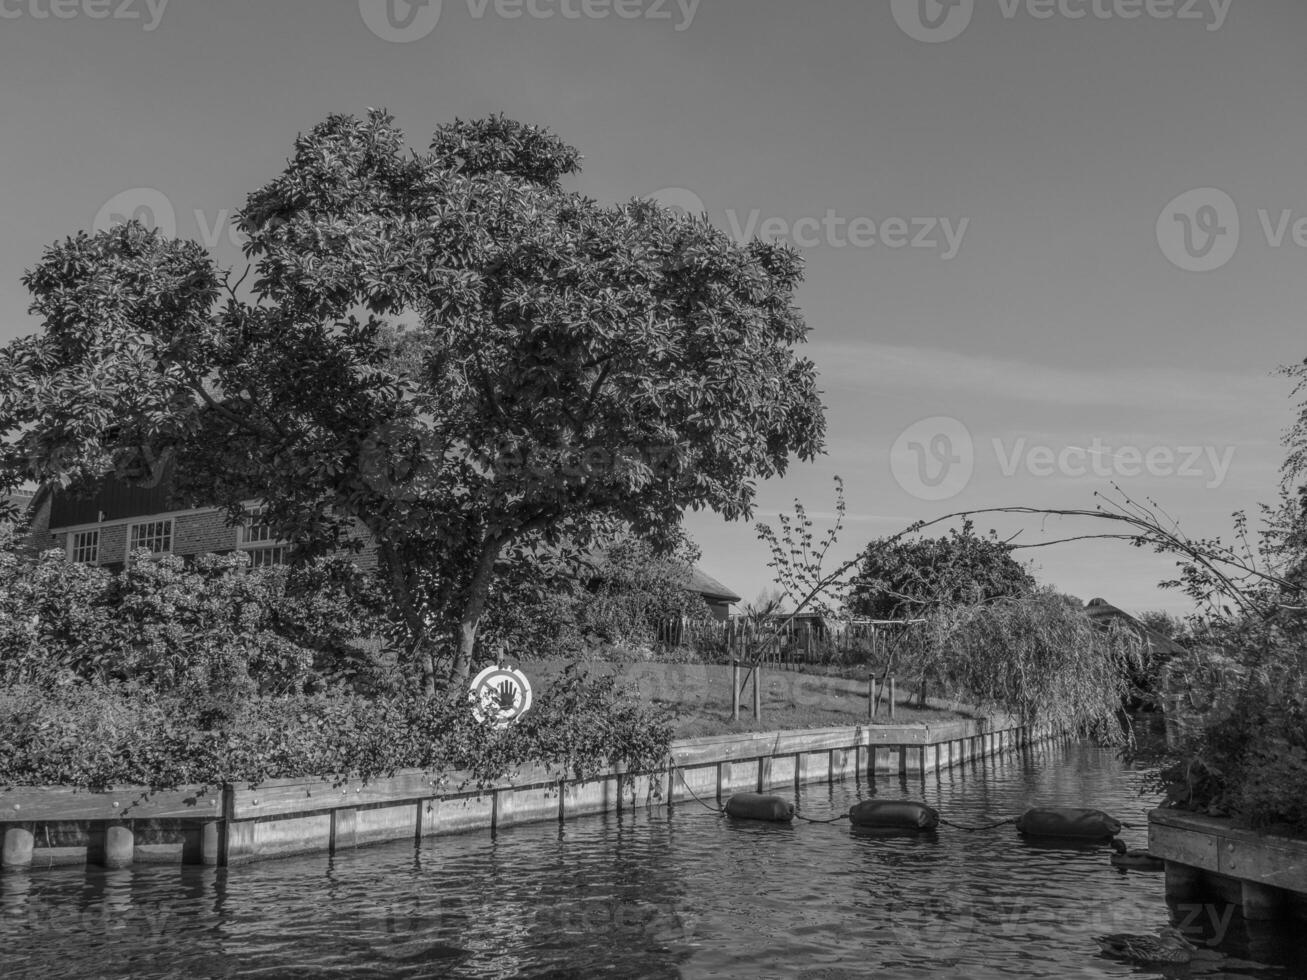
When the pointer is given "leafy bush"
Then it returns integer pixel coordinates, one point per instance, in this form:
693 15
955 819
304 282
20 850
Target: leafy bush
1243 751
100 735
615 598
214 624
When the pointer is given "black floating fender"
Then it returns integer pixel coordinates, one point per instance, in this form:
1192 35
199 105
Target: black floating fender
1070 823
756 806
894 815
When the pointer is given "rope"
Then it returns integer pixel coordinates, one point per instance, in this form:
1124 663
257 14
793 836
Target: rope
988 826
685 783
716 809
842 816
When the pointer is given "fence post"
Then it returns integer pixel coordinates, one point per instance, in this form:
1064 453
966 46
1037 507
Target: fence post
757 693
871 698
735 690
891 697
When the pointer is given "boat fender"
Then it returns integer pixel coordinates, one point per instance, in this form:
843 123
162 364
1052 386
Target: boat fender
894 814
756 806
1068 822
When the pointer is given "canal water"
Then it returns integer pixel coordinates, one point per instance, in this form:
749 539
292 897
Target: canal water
657 894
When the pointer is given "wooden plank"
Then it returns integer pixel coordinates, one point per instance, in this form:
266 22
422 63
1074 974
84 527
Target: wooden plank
1263 863
591 797
57 857
56 803
1183 847
282 797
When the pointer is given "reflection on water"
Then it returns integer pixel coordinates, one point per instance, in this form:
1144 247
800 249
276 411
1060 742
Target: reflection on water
689 894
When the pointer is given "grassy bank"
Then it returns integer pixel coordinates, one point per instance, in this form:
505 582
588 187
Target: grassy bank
699 697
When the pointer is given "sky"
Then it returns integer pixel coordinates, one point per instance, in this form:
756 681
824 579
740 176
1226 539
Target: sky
1051 245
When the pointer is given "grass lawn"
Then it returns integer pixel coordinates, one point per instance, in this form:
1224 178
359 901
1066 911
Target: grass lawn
699 696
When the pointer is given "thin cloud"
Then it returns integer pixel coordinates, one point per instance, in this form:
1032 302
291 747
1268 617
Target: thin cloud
872 365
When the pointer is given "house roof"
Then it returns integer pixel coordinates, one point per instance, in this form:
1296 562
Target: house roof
697 580
1103 612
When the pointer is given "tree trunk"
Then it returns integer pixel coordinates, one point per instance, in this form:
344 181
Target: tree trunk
474 606
421 651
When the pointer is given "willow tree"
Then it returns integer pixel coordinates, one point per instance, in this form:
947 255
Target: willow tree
445 351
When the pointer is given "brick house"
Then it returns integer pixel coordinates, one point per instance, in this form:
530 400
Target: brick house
103 528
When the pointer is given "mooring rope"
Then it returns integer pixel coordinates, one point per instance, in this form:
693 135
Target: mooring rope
988 826
842 816
686 783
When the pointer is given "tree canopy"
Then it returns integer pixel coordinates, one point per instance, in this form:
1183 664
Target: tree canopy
905 578
446 351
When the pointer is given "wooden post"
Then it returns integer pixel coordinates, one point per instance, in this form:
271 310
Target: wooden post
891 697
17 847
757 694
871 698
111 845
735 690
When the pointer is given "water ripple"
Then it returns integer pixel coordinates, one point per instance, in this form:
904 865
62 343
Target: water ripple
652 895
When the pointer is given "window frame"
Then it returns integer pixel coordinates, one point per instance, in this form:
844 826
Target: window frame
76 551
263 544
171 535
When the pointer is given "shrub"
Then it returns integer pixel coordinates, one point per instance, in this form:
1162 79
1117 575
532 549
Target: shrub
1244 751
99 735
213 624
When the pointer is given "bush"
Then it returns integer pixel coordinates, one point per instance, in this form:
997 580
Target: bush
167 625
101 735
1244 752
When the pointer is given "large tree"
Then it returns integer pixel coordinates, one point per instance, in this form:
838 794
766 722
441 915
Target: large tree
906 578
446 350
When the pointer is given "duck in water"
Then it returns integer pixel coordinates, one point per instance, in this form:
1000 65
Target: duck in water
1139 860
1168 946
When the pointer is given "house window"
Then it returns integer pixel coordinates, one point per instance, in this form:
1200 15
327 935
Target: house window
267 556
84 546
261 543
156 535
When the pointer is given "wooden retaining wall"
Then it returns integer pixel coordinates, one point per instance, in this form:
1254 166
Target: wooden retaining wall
232 824
1210 858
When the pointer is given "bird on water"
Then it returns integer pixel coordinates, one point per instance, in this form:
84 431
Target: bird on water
1168 946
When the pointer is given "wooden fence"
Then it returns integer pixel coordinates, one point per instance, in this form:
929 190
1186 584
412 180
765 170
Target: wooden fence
785 643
